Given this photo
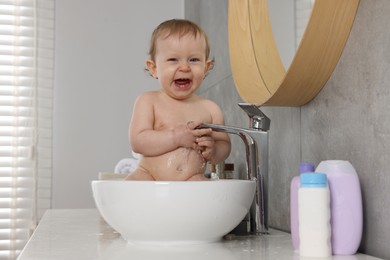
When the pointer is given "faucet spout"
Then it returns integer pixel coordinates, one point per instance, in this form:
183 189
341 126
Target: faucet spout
249 141
258 215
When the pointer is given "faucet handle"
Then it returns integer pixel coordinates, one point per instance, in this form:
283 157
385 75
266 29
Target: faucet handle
258 120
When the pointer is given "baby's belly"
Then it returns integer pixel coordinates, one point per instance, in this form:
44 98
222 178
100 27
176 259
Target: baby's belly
178 165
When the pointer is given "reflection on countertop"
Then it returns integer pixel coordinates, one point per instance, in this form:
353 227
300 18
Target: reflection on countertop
83 234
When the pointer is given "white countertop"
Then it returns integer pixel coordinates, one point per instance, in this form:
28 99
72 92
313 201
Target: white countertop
82 234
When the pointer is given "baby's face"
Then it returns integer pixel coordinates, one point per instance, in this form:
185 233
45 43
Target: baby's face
180 65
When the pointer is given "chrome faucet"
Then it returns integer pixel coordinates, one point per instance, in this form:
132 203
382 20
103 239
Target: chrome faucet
255 139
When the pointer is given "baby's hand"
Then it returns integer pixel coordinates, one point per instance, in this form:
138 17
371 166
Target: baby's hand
207 146
185 135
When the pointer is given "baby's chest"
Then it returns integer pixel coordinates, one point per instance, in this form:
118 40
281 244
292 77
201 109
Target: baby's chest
181 115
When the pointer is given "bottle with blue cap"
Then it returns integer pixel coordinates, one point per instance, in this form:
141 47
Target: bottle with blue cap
314 216
304 167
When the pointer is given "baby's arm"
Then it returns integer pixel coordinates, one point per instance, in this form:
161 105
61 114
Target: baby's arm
147 141
216 146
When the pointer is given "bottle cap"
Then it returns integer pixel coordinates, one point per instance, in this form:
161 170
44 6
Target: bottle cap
306 167
312 180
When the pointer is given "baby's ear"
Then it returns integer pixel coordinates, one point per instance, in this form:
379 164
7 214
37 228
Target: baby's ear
151 67
209 65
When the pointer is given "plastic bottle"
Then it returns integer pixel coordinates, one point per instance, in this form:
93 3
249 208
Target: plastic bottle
314 216
295 183
346 206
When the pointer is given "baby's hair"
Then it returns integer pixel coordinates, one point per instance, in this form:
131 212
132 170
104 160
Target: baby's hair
180 27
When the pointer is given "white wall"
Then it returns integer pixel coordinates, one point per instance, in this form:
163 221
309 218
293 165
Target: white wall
101 47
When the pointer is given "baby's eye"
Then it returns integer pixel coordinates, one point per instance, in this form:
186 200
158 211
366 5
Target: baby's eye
194 59
172 59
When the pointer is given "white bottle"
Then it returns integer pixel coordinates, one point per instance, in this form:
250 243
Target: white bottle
295 183
314 216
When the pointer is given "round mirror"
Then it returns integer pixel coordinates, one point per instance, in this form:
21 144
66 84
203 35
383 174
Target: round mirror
258 72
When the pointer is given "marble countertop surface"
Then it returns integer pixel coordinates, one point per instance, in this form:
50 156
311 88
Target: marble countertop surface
83 234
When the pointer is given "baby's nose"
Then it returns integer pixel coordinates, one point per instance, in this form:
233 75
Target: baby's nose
184 65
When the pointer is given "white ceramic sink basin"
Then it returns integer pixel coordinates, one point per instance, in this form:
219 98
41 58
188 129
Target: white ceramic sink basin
153 212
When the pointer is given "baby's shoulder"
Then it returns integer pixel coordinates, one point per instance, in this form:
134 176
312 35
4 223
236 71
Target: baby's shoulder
208 103
149 95
146 100
213 108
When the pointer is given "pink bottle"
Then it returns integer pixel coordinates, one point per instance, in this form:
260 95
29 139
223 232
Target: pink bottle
346 206
295 183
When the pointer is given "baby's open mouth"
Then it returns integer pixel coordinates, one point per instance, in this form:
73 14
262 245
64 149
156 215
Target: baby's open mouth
182 82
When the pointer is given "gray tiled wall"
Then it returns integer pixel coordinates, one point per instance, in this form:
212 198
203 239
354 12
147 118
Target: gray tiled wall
349 119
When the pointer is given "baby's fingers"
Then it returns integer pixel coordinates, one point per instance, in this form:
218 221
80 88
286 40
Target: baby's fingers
202 132
205 141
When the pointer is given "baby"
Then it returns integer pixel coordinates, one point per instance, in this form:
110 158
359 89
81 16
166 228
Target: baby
163 124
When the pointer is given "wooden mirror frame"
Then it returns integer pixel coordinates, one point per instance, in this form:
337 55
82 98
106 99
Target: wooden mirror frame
258 72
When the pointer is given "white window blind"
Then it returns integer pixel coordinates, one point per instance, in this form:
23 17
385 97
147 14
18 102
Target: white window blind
26 80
